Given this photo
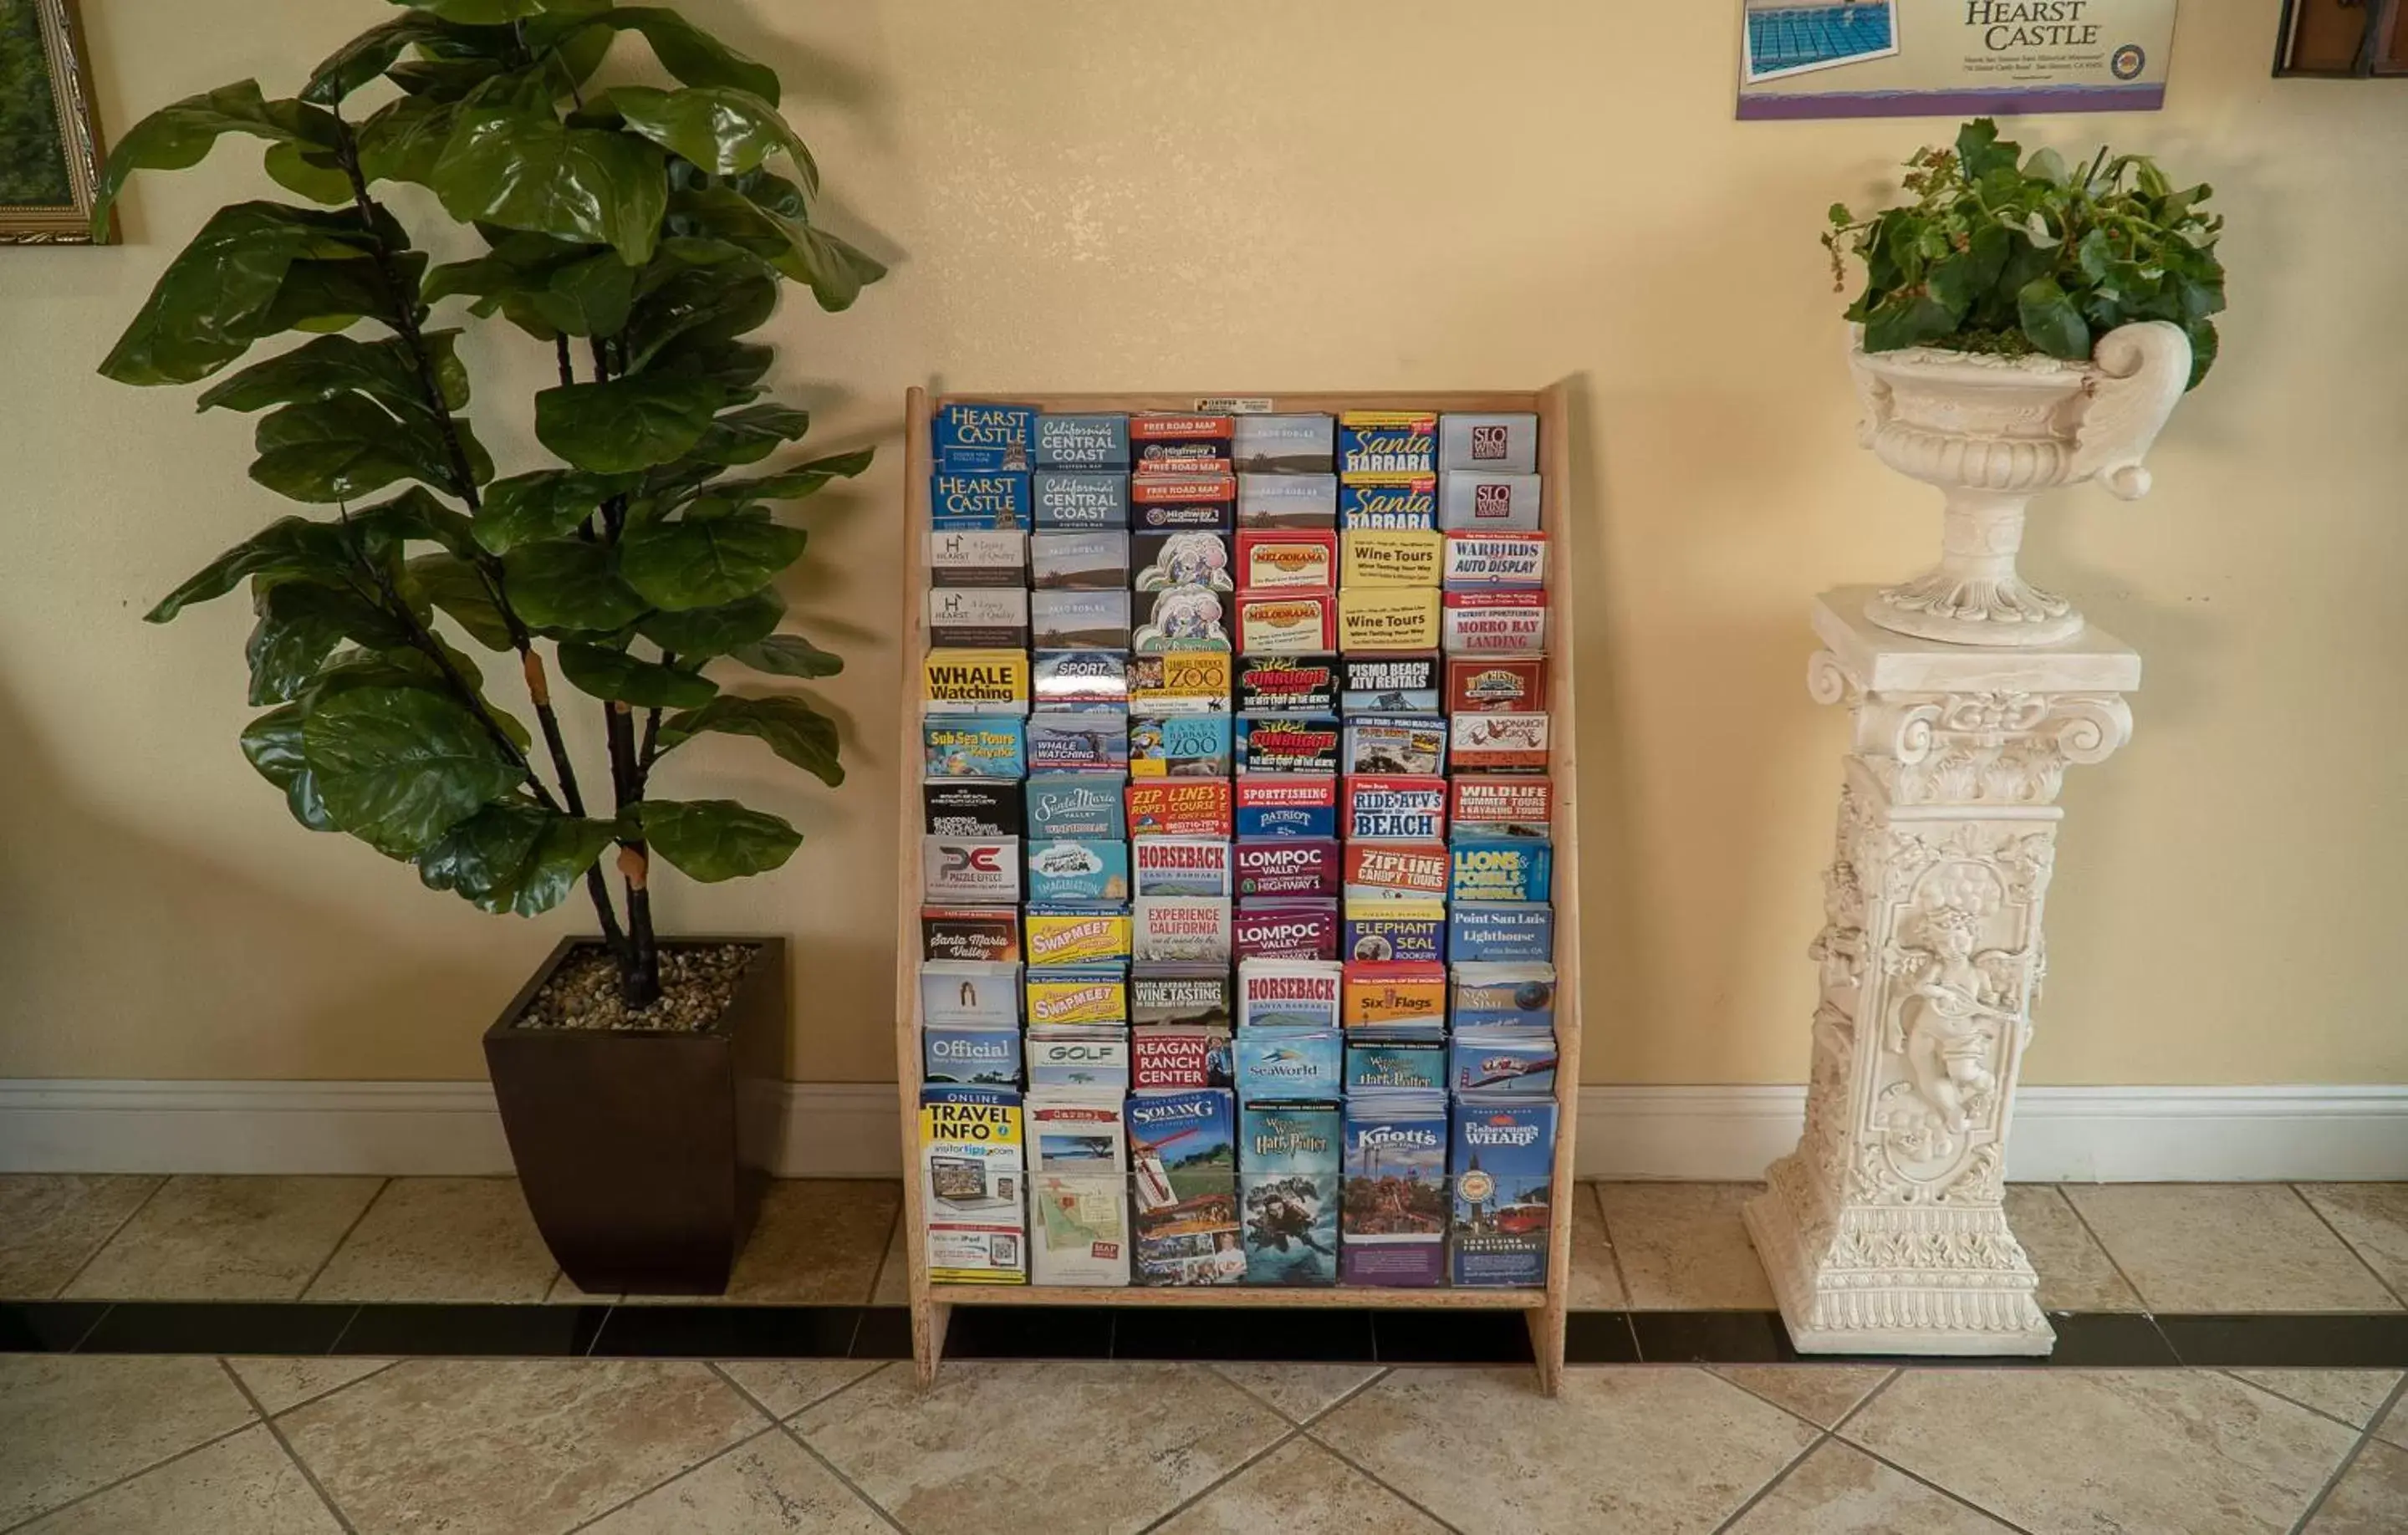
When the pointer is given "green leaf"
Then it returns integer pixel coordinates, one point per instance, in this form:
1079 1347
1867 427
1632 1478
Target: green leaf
692 55
716 631
2052 321
337 364
272 743
1980 149
367 56
338 607
627 423
525 171
752 434
312 174
289 643
402 140
1903 321
483 13
210 303
702 564
792 729
606 673
546 504
342 449
331 296
567 583
724 131
589 297
182 134
711 304
397 766
452 584
290 546
797 482
836 270
513 857
716 839
2047 165
731 364
788 655
414 514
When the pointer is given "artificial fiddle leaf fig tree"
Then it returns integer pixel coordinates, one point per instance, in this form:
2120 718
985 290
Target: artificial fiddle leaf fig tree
640 233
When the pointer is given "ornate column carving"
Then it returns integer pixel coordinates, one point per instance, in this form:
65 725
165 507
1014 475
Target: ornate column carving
1884 1232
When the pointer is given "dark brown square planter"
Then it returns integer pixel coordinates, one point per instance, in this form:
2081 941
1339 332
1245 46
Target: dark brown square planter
643 1153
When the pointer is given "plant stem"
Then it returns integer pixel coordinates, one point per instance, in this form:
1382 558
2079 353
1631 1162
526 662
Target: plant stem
405 325
640 972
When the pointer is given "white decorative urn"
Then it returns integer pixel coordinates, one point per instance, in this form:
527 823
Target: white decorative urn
1992 433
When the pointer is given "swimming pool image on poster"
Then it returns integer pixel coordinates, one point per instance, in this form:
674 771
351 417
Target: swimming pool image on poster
1788 38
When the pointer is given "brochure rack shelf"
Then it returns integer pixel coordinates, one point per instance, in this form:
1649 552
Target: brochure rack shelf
1546 1309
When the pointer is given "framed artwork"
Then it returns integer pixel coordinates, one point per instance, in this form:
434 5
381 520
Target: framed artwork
50 136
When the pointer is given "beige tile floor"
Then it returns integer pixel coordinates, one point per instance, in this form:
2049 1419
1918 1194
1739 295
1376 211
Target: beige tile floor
198 1446
621 1447
2168 1247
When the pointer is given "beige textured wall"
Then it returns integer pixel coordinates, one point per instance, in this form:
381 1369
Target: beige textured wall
1256 196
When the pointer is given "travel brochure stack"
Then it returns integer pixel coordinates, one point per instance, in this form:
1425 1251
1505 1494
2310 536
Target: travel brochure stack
1236 942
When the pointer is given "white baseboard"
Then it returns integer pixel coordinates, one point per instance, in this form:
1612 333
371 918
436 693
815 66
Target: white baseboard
847 1130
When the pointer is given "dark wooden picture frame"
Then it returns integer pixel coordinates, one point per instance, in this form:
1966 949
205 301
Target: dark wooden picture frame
47 59
2343 39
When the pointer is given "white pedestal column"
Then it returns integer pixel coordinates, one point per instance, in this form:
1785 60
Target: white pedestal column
1883 1232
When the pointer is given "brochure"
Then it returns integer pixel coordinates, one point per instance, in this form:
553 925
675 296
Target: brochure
1393 1218
972 1185
1503 1159
1288 1157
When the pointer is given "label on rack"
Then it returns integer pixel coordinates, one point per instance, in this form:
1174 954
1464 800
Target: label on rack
1096 441
1286 623
974 869
1495 621
1077 937
1495 559
1387 443
1505 442
1500 744
1179 807
1287 866
959 807
1180 682
1286 805
1287 743
1496 685
976 617
970 556
1069 500
1395 807
998 500
1388 501
1470 502
1392 557
974 681
1503 807
1396 872
1288 684
1286 560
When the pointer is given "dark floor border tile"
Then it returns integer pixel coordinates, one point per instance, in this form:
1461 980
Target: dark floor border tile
1600 1338
2291 1341
48 1327
1030 1332
484 1331
730 1332
218 1327
1236 1333
1436 1336
884 1333
1453 1337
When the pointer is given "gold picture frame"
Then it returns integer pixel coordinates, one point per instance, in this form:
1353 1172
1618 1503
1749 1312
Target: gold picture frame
60 68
